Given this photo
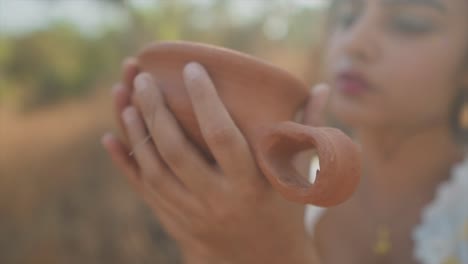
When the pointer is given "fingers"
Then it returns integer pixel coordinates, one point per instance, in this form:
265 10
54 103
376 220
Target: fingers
144 154
225 140
175 149
119 155
313 116
121 93
315 108
129 72
155 175
170 215
120 96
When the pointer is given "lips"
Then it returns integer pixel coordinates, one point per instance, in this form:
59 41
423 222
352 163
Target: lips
352 83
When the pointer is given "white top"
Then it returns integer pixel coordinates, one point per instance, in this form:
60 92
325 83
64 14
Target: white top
442 236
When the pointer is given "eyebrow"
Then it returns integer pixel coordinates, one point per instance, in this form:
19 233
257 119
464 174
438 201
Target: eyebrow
431 3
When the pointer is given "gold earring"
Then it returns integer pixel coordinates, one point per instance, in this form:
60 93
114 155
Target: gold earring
464 117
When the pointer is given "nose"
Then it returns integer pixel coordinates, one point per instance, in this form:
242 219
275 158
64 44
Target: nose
361 40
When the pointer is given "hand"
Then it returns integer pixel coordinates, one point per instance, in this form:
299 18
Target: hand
312 115
225 213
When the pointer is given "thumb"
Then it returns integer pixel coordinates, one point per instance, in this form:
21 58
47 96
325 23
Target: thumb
315 107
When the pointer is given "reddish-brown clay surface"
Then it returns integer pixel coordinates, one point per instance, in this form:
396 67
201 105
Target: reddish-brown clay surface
259 96
340 165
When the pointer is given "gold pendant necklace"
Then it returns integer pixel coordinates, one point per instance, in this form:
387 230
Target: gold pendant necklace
383 244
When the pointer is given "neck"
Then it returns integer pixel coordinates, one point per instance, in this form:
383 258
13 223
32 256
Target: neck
405 162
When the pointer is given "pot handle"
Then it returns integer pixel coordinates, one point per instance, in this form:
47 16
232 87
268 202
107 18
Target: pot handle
339 158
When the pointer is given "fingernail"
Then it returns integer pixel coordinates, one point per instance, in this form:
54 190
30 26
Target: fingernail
319 88
193 70
106 138
128 61
128 114
115 88
142 81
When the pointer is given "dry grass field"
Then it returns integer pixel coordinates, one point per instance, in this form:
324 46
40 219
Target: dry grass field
62 201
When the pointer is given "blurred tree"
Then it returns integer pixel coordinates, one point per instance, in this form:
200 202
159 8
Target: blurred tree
49 65
45 66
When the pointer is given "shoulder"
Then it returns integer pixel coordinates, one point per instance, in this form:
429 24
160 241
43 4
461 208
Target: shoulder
442 236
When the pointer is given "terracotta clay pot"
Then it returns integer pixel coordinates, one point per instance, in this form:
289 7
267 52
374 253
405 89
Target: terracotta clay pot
259 97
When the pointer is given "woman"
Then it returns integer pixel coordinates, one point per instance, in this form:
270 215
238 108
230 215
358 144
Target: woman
398 76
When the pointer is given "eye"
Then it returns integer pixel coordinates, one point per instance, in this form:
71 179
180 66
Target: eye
347 20
348 12
411 24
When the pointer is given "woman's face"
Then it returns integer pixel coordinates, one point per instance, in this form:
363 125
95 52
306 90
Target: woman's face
397 63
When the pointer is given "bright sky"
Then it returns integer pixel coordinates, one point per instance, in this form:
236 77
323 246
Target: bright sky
18 16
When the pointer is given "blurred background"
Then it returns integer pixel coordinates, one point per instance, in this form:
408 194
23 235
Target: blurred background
61 200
